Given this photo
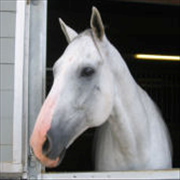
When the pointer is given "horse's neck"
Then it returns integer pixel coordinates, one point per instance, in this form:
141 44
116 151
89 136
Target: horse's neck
129 119
134 133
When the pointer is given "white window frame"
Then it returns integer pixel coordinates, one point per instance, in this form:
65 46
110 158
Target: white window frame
24 164
156 174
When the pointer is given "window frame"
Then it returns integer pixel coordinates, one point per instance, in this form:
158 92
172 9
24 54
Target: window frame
28 61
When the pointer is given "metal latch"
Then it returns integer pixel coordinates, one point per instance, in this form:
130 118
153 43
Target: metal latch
34 2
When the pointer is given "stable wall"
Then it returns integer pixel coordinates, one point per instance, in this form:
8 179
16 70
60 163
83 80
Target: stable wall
7 56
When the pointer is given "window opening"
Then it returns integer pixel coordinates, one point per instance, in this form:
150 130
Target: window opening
159 79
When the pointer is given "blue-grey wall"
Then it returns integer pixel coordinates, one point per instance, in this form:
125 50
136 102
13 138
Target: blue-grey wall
7 50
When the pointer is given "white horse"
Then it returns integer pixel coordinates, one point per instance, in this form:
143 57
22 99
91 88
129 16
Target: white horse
93 87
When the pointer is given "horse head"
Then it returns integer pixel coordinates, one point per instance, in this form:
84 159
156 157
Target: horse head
81 96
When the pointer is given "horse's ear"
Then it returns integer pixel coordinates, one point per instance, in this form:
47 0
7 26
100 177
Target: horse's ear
69 33
97 24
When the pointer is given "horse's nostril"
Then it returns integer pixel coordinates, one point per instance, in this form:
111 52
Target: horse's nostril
46 146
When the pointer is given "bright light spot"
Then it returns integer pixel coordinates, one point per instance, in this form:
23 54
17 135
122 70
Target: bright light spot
157 57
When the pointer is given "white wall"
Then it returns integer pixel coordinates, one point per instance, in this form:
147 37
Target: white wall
7 54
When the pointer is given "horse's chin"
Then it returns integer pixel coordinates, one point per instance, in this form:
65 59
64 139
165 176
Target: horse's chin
60 159
61 156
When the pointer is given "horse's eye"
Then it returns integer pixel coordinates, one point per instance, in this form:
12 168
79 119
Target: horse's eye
87 71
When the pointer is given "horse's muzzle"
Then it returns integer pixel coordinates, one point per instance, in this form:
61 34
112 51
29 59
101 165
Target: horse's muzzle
51 151
40 142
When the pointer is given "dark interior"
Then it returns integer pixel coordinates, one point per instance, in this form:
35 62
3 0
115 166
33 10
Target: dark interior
132 28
